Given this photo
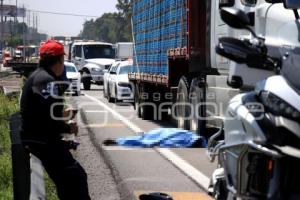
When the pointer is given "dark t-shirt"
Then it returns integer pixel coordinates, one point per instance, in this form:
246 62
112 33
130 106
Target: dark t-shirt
42 108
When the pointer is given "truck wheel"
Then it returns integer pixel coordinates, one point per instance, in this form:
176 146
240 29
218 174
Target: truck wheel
162 115
197 99
137 101
148 108
86 80
182 109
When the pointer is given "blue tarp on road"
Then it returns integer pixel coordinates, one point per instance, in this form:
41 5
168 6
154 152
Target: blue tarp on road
164 137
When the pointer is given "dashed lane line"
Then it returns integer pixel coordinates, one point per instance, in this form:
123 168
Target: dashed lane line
193 173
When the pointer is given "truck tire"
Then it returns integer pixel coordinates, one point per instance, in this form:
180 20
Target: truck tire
148 112
197 98
182 110
162 114
137 101
86 80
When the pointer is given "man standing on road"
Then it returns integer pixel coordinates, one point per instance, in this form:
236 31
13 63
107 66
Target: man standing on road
42 111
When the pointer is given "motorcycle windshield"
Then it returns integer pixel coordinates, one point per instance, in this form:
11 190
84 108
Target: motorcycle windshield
291 69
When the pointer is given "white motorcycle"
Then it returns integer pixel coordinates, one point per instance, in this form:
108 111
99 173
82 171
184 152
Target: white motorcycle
258 150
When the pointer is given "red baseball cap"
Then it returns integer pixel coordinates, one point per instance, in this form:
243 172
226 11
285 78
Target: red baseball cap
51 48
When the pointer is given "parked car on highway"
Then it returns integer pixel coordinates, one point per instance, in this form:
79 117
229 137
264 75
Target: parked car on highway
74 77
106 77
119 87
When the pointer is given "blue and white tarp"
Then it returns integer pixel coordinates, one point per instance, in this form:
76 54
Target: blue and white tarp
164 137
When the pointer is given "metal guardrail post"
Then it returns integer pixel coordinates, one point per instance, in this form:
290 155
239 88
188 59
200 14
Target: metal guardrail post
20 161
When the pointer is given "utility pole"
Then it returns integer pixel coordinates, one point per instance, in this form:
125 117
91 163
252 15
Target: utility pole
28 34
2 26
16 17
36 21
24 34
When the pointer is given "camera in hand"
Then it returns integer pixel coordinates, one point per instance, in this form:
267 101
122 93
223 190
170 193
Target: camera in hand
71 144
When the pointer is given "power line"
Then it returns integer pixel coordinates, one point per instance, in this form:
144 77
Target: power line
65 14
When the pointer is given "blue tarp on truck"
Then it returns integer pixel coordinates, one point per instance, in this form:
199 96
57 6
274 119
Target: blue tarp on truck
158 26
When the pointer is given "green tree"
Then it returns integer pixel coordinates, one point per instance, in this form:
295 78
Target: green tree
15 41
111 27
90 31
125 9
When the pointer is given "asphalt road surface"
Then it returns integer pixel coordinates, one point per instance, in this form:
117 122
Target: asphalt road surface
122 173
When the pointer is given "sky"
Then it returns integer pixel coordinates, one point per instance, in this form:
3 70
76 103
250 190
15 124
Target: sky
55 25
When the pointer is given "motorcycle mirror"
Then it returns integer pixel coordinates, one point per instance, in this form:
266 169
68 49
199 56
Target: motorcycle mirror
235 18
238 19
291 4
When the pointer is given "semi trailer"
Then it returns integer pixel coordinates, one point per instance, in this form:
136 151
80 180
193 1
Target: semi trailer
176 70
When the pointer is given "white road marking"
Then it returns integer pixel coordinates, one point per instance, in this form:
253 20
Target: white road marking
181 164
119 148
123 119
96 111
218 117
223 88
188 169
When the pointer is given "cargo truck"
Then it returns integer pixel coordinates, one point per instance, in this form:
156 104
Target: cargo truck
176 69
91 59
25 60
124 50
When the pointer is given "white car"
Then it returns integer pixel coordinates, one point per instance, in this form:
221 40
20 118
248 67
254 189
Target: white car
119 87
106 77
74 77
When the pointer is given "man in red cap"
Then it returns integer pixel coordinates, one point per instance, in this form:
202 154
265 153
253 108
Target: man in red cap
42 111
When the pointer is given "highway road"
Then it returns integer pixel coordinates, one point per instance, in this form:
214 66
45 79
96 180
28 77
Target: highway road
181 172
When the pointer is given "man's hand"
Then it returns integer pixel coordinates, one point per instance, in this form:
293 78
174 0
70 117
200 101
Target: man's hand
69 114
73 128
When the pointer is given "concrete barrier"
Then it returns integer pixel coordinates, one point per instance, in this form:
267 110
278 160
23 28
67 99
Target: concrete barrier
28 177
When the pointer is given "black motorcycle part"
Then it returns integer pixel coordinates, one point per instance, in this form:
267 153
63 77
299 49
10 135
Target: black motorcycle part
237 50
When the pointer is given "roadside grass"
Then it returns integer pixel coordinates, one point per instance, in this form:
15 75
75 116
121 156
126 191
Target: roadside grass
9 106
50 188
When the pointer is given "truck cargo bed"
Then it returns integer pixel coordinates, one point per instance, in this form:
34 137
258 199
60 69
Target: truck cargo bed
168 30
24 68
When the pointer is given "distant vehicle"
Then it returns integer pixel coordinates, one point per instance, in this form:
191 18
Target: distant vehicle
106 77
28 61
17 55
119 87
124 50
74 77
91 59
6 58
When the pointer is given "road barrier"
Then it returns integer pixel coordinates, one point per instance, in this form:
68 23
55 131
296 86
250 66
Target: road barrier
28 178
